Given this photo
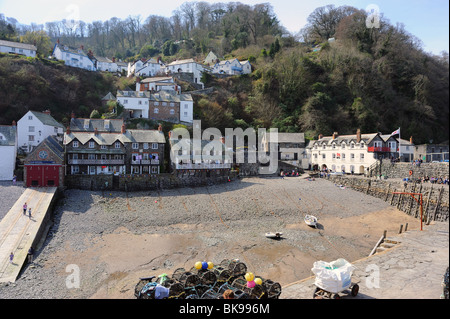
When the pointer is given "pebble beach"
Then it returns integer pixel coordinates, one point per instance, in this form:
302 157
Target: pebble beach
114 238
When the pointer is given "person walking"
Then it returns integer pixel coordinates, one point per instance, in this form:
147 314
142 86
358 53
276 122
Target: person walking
11 257
29 213
30 254
25 208
14 179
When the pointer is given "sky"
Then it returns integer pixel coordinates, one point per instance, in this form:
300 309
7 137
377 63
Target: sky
428 20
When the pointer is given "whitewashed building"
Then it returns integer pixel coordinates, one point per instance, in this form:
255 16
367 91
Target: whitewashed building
74 57
8 151
187 66
156 84
34 127
232 67
150 67
28 50
350 153
105 64
135 103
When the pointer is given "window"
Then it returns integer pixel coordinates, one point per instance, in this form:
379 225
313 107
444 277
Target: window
352 156
135 146
343 156
154 170
135 169
75 169
361 156
30 128
172 104
75 144
145 146
324 156
185 114
103 147
91 144
172 112
156 111
30 117
156 104
333 156
362 144
75 156
125 101
117 145
55 129
154 146
352 145
30 138
164 103
91 156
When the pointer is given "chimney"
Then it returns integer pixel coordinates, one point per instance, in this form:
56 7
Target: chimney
95 131
411 140
123 130
57 41
46 112
14 123
114 59
320 137
68 130
160 128
358 135
170 135
335 134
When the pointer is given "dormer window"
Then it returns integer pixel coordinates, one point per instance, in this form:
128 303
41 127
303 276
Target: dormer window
343 145
352 145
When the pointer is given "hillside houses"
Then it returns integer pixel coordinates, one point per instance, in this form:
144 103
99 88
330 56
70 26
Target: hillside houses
187 66
28 50
145 68
77 58
34 127
232 67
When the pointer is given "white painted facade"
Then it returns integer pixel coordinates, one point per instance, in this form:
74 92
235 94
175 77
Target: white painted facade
151 67
232 67
187 111
34 127
8 151
134 102
187 66
17 48
105 64
73 57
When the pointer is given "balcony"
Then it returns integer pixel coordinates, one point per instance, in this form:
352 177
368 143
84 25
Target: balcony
379 149
96 162
145 162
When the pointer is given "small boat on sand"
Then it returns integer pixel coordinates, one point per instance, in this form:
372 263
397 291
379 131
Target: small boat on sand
311 220
276 235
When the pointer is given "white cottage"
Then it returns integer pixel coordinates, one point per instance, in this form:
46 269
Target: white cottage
34 127
8 151
232 67
74 57
187 66
150 67
105 64
28 50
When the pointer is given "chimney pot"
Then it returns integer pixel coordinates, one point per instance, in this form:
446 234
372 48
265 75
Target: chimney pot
14 123
95 131
335 134
358 135
160 128
68 130
320 136
411 140
123 130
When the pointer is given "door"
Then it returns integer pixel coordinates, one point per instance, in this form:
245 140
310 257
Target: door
42 175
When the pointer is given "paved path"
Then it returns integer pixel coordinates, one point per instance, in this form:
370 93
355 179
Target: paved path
412 269
18 231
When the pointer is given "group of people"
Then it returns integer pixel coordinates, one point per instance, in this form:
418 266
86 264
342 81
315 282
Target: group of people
435 180
294 173
30 251
417 162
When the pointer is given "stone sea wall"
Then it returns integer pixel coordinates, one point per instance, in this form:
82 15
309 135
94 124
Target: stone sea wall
435 197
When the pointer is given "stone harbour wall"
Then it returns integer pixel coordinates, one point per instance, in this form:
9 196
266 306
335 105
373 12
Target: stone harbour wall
435 197
402 170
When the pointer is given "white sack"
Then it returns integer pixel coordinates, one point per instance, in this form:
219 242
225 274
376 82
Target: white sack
334 276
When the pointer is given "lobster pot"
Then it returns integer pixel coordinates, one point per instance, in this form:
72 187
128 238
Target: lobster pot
147 291
238 293
211 294
141 284
236 267
273 289
222 274
257 292
178 273
189 279
208 278
176 288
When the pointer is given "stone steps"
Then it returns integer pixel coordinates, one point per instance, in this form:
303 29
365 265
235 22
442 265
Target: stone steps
386 244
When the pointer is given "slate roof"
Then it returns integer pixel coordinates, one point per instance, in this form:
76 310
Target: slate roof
17 45
130 136
46 119
78 125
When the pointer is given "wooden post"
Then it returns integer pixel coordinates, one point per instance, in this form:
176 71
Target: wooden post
406 227
392 198
368 186
400 230
387 194
437 203
427 217
417 207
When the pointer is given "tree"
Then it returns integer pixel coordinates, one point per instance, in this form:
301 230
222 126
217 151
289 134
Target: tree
40 39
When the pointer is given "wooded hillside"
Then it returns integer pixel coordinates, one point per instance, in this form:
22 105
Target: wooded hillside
375 79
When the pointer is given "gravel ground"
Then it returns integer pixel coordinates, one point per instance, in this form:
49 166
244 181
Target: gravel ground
9 194
111 239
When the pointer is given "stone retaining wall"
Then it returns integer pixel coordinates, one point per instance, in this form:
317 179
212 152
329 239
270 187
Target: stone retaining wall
188 178
435 198
402 170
